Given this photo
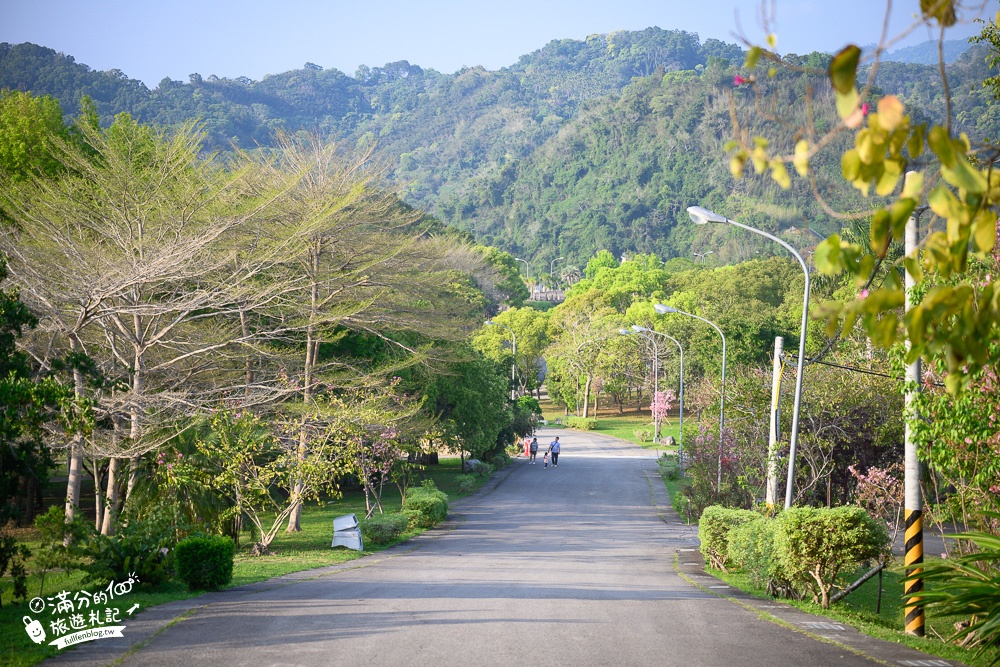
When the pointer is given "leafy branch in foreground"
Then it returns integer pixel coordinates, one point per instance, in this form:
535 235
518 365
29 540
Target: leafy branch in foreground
955 317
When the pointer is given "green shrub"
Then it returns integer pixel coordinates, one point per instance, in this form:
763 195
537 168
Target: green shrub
13 556
669 467
581 423
713 531
643 434
466 483
751 548
501 459
205 563
63 543
384 528
815 544
426 505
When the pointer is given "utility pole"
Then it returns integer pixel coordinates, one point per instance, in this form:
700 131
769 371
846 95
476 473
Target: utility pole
773 435
913 555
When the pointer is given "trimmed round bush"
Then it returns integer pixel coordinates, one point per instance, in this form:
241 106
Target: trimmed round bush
816 544
751 548
205 563
384 528
713 530
426 505
581 423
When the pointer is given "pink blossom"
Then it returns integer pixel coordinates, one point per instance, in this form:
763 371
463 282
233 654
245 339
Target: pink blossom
968 441
739 80
864 109
863 294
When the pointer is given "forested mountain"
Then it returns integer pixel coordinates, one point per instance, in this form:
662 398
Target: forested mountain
579 146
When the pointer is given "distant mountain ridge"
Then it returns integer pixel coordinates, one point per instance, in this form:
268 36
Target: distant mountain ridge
926 53
579 146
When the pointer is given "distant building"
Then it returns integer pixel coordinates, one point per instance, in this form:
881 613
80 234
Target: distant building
540 293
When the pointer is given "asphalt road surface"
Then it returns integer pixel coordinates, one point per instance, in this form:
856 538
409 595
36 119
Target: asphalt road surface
570 565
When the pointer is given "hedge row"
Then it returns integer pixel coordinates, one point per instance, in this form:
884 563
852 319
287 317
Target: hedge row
800 552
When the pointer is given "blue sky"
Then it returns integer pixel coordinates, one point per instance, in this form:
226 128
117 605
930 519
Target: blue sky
229 38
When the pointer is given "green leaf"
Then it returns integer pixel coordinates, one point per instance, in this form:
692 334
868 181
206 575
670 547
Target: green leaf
801 160
913 268
915 145
780 174
941 10
943 202
913 184
753 55
899 213
940 142
847 103
883 330
892 170
984 231
964 175
878 232
850 165
843 70
827 256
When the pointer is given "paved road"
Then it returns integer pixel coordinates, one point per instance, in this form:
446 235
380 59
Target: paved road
570 565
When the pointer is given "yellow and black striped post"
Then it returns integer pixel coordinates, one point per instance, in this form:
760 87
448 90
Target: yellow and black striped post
913 557
913 521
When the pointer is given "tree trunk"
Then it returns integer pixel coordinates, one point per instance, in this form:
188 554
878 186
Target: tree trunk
75 447
312 351
295 516
98 497
586 396
111 498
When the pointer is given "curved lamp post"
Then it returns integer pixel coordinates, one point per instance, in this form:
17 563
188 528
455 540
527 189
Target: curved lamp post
663 309
513 363
636 329
527 268
552 266
680 440
702 216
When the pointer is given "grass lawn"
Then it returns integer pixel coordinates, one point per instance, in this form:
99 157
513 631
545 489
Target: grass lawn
859 611
624 426
294 552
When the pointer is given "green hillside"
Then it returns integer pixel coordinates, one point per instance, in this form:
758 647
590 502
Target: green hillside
579 146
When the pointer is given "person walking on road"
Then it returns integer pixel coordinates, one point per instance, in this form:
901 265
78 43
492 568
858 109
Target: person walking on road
533 450
545 460
554 448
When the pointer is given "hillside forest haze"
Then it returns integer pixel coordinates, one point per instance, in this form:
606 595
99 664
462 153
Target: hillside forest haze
579 146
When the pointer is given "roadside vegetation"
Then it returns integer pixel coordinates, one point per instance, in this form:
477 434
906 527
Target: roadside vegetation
291 552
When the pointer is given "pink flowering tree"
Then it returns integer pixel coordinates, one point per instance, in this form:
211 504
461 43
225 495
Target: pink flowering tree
880 492
374 456
663 402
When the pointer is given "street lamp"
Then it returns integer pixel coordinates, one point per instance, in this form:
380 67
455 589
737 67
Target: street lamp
552 266
527 269
701 216
680 441
513 363
702 255
640 331
663 309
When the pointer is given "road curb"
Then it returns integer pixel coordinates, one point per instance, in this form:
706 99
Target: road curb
690 566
